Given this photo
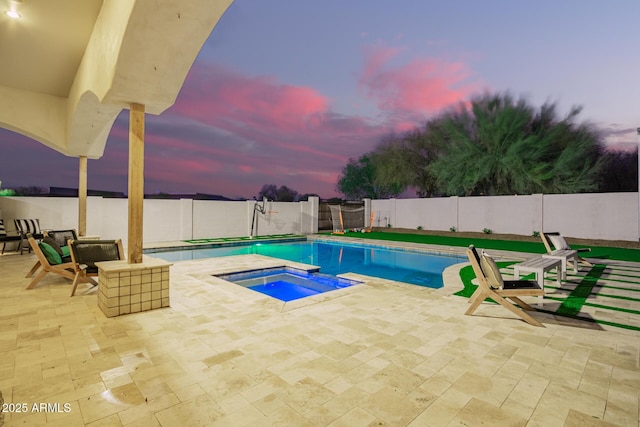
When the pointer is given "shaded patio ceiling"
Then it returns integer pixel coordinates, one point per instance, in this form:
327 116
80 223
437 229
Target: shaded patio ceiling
70 66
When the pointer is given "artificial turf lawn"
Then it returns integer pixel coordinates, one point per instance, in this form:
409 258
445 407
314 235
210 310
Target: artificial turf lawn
603 252
569 307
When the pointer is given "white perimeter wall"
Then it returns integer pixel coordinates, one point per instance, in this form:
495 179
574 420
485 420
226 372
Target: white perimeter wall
165 220
607 216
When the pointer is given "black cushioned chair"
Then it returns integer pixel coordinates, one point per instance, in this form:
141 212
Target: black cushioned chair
85 254
62 237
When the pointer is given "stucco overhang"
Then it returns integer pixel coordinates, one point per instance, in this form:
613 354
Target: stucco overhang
69 67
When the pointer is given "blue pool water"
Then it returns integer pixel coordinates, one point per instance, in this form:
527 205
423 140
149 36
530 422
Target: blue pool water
412 267
287 284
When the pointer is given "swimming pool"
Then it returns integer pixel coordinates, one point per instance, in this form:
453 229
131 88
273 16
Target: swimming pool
413 267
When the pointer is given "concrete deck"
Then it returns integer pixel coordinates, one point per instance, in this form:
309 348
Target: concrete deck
380 353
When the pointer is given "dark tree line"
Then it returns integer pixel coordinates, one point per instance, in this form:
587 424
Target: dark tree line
282 194
620 172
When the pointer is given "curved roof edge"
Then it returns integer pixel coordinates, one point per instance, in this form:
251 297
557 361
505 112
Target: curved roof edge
138 52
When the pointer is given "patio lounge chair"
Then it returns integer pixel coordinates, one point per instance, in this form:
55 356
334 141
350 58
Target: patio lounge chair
62 237
553 241
25 227
4 237
49 260
58 239
85 254
492 285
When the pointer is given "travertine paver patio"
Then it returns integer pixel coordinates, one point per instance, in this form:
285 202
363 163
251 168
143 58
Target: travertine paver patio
380 353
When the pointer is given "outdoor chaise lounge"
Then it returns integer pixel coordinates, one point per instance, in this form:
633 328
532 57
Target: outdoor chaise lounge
4 237
49 260
492 285
554 243
85 254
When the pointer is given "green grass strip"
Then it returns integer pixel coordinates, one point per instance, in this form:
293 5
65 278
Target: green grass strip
617 325
599 286
467 275
622 280
625 268
594 305
573 303
607 286
591 320
602 252
599 294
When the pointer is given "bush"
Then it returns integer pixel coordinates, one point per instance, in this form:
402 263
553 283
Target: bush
487 231
452 229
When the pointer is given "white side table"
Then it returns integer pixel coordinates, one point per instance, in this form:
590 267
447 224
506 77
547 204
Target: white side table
564 255
539 266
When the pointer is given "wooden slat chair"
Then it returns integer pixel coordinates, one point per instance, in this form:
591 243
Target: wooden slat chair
50 263
553 241
492 285
5 238
85 254
58 240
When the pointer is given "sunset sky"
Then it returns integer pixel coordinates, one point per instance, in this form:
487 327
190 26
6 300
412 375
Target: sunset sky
286 91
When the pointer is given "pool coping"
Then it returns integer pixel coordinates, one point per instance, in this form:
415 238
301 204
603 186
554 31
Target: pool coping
208 270
155 247
307 273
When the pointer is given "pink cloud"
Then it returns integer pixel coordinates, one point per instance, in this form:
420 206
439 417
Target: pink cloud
421 86
271 115
263 131
263 100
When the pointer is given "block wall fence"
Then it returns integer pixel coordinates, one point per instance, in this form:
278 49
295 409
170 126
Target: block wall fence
166 220
607 216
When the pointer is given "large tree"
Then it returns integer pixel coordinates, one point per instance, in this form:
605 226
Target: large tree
358 181
498 145
404 161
